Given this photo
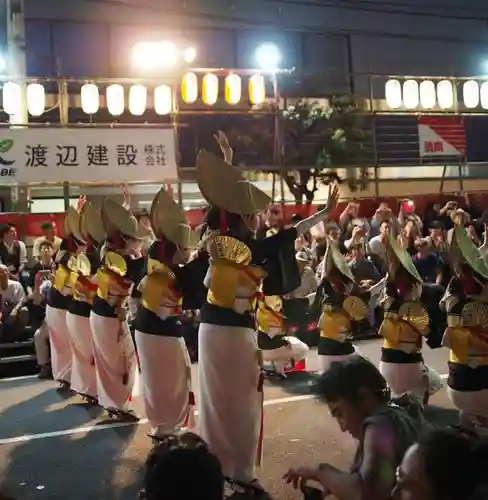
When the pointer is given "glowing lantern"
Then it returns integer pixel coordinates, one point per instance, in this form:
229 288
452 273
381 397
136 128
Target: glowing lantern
411 94
471 94
257 89
90 98
137 99
189 88
233 88
445 94
393 94
163 100
115 99
36 99
484 95
12 98
427 94
210 89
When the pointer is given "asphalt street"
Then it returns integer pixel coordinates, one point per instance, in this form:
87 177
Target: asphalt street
55 447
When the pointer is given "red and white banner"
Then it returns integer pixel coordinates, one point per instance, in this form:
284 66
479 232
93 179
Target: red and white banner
441 136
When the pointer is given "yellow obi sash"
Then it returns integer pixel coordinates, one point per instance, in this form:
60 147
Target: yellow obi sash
269 317
113 286
335 325
399 334
160 295
233 286
83 288
62 277
467 346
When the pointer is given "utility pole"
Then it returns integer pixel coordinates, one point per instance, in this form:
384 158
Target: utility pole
16 65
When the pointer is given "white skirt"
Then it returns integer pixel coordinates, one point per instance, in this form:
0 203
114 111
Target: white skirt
61 353
83 372
115 361
230 404
472 406
166 381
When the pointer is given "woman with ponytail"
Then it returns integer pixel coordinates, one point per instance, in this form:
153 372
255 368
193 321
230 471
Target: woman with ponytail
242 271
163 356
444 464
113 348
60 296
84 289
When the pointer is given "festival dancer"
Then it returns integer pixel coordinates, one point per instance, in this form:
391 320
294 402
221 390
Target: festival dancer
466 336
84 289
230 381
405 324
60 296
279 349
339 308
164 360
113 347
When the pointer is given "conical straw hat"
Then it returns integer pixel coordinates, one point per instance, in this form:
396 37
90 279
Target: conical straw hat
169 220
91 222
224 186
72 224
399 256
117 219
335 260
463 248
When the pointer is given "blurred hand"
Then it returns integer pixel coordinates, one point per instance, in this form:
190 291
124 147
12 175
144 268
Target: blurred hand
80 203
224 145
333 198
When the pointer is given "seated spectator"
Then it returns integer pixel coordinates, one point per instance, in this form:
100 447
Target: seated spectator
13 252
377 247
41 335
409 235
383 214
183 468
444 464
459 217
427 262
13 314
358 398
49 235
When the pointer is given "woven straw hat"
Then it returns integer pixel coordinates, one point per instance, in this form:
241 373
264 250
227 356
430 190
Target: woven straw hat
224 186
169 220
117 219
335 259
462 248
91 222
398 256
72 224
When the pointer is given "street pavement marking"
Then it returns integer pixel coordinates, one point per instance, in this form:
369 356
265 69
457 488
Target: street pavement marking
116 425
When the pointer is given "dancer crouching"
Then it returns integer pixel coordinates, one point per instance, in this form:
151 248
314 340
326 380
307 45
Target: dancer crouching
466 336
84 288
60 296
230 381
405 323
163 356
278 348
339 308
113 347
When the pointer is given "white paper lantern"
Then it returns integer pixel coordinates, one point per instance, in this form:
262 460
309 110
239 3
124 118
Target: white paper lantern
36 99
445 94
90 98
233 88
471 94
257 89
393 94
484 95
411 94
427 94
163 100
137 99
12 98
115 99
210 89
